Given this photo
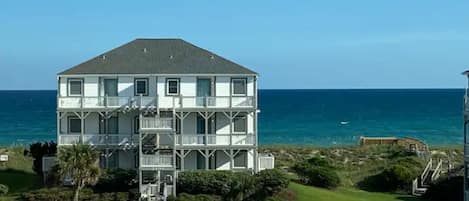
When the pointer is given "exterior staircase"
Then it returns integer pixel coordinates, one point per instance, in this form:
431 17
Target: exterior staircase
430 174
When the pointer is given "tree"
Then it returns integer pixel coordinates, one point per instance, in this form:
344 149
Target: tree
80 163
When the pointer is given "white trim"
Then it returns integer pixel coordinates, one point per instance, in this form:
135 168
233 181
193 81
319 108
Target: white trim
245 124
245 86
146 86
245 159
162 75
75 80
167 86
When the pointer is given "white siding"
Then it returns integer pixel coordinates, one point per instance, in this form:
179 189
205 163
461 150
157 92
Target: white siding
250 86
126 159
222 86
222 123
91 86
63 86
188 86
190 126
222 161
125 86
92 124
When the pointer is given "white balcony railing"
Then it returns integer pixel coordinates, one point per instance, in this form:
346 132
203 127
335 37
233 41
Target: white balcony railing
92 102
216 102
106 101
214 139
99 139
156 123
157 160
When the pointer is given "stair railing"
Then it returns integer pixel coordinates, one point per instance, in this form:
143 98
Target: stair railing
425 172
415 186
437 171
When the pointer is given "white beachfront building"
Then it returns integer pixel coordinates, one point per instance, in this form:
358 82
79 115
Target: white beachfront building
161 106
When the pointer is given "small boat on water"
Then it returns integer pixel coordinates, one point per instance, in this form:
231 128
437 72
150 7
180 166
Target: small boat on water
344 122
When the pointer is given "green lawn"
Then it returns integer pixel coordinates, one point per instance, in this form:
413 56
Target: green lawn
17 173
308 193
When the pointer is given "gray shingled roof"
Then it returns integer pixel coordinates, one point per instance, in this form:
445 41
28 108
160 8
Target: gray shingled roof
158 56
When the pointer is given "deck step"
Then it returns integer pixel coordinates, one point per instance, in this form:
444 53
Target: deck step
420 191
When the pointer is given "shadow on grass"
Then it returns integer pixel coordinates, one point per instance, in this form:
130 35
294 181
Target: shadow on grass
20 181
410 199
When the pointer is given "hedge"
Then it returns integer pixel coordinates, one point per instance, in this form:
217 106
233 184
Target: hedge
233 185
60 194
317 172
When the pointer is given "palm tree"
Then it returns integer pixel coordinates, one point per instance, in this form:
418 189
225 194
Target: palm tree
80 163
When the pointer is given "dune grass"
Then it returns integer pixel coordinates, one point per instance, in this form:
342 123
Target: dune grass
17 173
308 193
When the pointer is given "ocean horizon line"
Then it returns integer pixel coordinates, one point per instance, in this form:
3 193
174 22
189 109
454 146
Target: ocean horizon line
292 89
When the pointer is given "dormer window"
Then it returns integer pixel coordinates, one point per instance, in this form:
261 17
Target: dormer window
75 87
238 87
141 87
172 86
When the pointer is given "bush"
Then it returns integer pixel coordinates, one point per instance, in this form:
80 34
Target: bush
317 172
3 189
233 185
60 194
116 180
39 150
209 182
397 177
270 182
320 162
189 197
446 189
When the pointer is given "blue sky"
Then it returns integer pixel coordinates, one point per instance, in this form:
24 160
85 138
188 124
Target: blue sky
292 44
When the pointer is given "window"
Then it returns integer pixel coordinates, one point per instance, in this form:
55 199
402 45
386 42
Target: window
240 160
238 87
136 125
75 87
141 86
172 86
74 125
240 124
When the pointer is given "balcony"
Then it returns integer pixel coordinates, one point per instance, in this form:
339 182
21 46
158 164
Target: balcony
215 140
217 102
103 102
99 139
98 102
157 160
156 123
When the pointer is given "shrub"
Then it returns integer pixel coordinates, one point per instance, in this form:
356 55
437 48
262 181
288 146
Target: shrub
397 177
60 194
199 197
270 182
446 189
317 172
208 182
39 150
320 162
232 185
3 189
116 180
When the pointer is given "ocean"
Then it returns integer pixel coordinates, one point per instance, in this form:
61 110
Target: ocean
299 117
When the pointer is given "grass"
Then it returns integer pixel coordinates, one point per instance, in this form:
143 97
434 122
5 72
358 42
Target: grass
354 163
307 193
17 173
